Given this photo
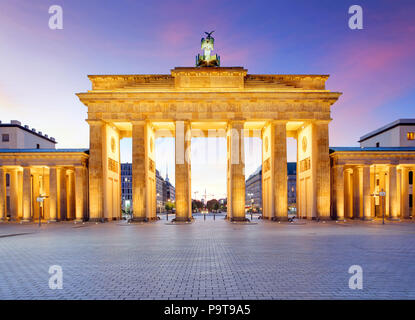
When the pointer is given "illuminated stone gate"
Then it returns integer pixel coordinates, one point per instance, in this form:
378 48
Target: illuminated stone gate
210 101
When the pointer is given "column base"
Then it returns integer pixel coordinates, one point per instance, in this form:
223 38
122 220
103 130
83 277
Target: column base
180 219
279 219
26 221
394 219
78 220
52 221
239 219
102 220
139 219
367 219
341 219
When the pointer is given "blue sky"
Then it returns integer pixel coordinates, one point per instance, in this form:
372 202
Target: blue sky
42 69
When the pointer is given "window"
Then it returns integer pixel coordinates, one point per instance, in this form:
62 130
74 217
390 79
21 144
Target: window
38 146
5 137
410 135
377 144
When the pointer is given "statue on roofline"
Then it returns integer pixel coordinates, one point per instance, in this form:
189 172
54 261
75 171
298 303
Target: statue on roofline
206 59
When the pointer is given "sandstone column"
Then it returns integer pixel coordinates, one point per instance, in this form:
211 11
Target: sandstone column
79 194
96 190
183 173
27 194
138 171
2 195
321 134
14 194
236 165
53 193
279 154
339 191
393 196
405 193
357 191
63 195
367 213
348 195
71 194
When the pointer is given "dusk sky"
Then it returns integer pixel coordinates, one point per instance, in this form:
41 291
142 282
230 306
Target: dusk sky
42 69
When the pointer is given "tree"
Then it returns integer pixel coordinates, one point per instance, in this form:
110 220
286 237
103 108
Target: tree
212 204
169 206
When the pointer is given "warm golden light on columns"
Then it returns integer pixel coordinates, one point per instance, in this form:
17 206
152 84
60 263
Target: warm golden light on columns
237 170
321 134
53 194
138 170
183 167
2 194
279 154
14 195
339 191
357 191
405 193
367 214
27 192
63 196
96 169
348 193
79 194
393 196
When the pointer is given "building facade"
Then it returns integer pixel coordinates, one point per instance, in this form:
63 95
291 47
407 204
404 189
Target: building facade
15 136
253 188
164 189
399 133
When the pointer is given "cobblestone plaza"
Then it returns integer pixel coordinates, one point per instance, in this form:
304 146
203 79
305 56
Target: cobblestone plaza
212 259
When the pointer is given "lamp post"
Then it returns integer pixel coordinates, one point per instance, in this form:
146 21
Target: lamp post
252 203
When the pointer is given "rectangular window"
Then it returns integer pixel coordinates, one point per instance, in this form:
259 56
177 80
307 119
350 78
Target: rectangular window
377 144
410 135
5 137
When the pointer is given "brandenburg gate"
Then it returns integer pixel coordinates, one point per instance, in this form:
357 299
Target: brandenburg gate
209 100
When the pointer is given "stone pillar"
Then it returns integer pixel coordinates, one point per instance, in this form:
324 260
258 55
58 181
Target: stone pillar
321 134
367 206
79 194
183 173
138 171
27 195
339 191
63 196
405 193
236 169
96 170
71 194
279 154
53 194
14 194
2 195
393 195
348 195
357 191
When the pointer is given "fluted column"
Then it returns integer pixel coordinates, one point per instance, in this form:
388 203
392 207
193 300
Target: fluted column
27 194
63 195
236 169
2 195
393 196
183 171
96 170
339 191
79 193
405 192
321 134
413 193
138 171
279 154
53 194
357 191
14 194
367 206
